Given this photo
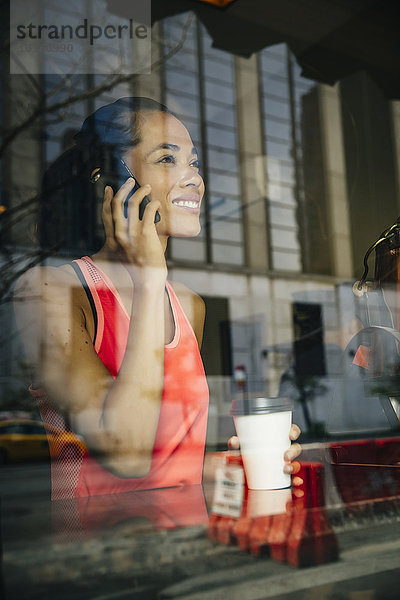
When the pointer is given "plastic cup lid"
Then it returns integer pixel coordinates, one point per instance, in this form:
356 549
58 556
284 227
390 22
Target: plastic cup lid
259 406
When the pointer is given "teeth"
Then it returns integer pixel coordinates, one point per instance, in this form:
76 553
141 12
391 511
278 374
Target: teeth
187 203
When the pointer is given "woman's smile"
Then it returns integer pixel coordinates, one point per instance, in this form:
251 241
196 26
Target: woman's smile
189 202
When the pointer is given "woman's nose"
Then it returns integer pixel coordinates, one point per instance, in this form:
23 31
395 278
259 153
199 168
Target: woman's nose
190 177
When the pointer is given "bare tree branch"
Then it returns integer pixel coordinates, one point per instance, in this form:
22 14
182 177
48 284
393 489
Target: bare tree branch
90 93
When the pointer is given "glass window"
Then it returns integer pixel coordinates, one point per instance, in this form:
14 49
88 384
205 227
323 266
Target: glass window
279 149
281 193
221 115
222 71
223 159
225 184
35 429
12 429
219 92
217 136
224 206
173 32
186 60
279 215
191 249
276 86
276 108
272 64
180 80
278 170
284 238
278 129
226 230
286 261
53 149
227 254
277 51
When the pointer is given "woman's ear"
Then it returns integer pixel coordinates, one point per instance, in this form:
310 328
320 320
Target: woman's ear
95 175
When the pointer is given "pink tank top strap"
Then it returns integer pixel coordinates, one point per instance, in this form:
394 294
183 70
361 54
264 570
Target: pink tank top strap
90 278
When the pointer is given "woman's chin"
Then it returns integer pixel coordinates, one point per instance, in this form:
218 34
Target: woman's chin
187 231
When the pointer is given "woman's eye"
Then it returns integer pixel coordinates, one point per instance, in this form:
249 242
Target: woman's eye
195 164
170 159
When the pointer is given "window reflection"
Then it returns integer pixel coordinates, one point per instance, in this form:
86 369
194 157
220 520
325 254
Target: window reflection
219 133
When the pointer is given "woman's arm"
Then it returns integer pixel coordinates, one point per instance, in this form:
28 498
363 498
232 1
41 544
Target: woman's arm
117 418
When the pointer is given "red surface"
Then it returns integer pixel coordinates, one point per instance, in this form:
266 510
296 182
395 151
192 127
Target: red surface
212 526
278 535
366 469
311 539
301 535
258 535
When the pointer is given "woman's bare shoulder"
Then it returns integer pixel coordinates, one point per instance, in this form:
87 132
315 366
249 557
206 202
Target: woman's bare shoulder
193 306
50 292
188 297
44 280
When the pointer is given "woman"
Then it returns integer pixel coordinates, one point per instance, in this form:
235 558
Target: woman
116 347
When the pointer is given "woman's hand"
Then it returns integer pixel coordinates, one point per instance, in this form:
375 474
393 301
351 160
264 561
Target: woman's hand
135 241
291 466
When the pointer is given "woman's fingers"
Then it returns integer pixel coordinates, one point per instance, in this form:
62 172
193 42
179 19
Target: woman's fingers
150 214
107 213
117 208
293 452
233 443
292 466
295 432
297 481
134 203
128 228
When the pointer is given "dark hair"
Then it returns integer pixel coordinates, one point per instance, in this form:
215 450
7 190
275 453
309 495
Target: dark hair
117 125
69 221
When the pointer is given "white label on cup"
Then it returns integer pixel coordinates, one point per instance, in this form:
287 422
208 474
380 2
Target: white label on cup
228 493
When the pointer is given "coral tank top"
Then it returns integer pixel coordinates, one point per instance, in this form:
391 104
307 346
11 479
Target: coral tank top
180 439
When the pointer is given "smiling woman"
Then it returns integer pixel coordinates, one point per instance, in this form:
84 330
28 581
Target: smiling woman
115 346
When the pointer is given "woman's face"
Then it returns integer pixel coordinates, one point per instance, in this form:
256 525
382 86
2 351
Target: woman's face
167 160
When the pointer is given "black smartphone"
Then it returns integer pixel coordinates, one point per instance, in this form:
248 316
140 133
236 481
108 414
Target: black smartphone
115 175
145 200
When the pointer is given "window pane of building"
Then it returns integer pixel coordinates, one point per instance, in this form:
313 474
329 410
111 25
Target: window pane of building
215 113
220 137
181 85
224 206
224 229
285 261
227 254
188 249
224 184
280 152
223 159
219 92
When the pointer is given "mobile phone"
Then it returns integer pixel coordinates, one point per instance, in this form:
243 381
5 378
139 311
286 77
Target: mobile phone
145 200
119 173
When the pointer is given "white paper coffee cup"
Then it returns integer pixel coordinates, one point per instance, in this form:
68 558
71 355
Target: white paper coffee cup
263 426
